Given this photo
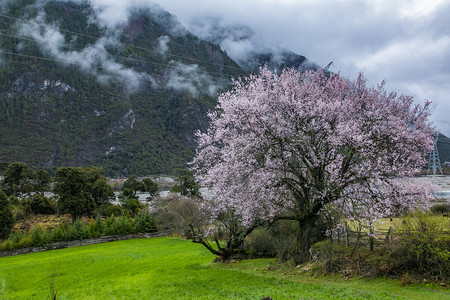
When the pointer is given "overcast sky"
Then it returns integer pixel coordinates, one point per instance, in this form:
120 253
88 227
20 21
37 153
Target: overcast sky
405 42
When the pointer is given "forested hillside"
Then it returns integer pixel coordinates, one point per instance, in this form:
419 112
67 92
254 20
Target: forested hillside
74 91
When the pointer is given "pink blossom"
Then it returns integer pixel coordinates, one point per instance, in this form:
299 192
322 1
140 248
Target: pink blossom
289 146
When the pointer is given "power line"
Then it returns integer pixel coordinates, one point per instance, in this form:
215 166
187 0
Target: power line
78 49
58 60
125 44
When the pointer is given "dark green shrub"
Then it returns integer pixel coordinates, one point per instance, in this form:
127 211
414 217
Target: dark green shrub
132 205
91 229
42 205
109 225
440 209
78 231
38 236
99 226
60 233
284 234
13 200
25 242
115 210
260 243
7 245
6 216
123 225
143 222
22 210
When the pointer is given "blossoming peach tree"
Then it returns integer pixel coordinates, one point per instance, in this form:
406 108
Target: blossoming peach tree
290 146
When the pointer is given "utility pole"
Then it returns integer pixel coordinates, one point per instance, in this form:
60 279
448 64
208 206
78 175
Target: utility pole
434 163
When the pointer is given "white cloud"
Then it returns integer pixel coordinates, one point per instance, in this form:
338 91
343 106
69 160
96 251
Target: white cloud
190 78
163 42
93 59
404 42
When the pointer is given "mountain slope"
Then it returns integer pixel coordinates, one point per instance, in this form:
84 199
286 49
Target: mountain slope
76 92
246 48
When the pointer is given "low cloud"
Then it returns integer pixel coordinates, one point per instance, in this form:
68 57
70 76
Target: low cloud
93 59
190 78
404 42
163 42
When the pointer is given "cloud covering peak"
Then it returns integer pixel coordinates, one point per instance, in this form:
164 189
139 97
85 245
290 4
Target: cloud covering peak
405 42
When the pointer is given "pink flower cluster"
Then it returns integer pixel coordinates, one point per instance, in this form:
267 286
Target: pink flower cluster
291 145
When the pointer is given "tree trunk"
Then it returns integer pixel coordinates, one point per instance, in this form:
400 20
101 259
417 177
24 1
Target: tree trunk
304 240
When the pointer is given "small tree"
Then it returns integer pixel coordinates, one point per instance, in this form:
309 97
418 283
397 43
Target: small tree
290 146
42 205
98 188
19 179
150 187
187 185
6 216
73 189
133 185
43 181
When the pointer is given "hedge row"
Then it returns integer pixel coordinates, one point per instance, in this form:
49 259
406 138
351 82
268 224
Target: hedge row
142 223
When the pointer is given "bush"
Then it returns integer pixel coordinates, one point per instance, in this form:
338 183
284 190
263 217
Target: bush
15 238
260 243
143 222
115 210
78 231
13 200
25 242
60 233
22 210
39 237
179 214
123 225
7 245
99 226
284 235
132 205
42 205
109 225
423 246
6 216
440 209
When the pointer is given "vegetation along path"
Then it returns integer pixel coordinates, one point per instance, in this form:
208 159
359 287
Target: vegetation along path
170 268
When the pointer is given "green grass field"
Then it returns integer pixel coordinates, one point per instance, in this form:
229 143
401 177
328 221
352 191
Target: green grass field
170 268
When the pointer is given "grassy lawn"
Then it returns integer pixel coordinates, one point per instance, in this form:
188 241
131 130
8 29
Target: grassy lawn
169 268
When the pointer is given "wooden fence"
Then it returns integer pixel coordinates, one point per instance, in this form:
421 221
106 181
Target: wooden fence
358 238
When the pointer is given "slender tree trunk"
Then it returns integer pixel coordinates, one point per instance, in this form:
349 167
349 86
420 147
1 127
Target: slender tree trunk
304 240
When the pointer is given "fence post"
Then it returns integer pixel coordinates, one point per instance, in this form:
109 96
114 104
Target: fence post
388 237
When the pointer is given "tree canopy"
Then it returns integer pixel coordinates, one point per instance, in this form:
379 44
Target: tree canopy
6 216
290 146
81 190
187 185
19 179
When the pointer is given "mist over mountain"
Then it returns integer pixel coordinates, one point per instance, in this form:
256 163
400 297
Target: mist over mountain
127 93
246 48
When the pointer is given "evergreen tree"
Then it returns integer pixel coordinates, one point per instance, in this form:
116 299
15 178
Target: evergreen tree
6 216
